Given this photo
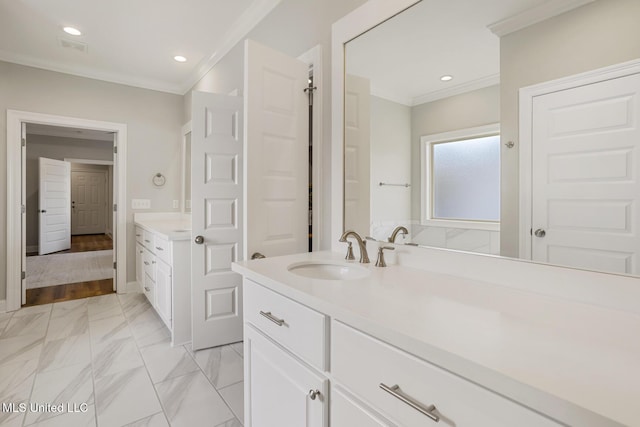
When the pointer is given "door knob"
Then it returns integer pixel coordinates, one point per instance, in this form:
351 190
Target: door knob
540 232
43 211
257 255
199 240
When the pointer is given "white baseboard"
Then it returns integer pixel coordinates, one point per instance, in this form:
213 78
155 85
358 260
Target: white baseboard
3 305
130 287
32 249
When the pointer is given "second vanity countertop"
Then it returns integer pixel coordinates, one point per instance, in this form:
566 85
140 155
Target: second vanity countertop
168 225
576 362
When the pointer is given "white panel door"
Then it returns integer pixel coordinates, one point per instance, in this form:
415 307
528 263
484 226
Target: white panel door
54 206
586 165
88 202
277 152
357 181
217 209
279 388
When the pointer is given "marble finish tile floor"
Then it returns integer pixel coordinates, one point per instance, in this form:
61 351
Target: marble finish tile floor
108 362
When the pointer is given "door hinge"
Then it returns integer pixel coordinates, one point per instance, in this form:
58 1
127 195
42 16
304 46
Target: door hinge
115 264
24 275
115 207
531 231
115 149
24 209
309 91
24 142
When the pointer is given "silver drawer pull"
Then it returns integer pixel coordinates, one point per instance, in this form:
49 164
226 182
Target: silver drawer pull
159 248
138 235
273 318
426 410
146 263
313 394
148 241
146 288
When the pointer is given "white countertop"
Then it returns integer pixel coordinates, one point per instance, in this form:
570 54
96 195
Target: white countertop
170 226
575 362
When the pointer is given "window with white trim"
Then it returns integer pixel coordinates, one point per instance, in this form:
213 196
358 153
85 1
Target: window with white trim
461 178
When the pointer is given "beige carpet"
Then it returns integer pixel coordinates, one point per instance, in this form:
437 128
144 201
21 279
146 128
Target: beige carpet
59 269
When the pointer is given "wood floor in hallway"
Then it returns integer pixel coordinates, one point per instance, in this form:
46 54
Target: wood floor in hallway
71 291
86 243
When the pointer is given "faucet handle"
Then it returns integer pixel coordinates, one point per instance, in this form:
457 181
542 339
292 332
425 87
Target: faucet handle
380 261
350 256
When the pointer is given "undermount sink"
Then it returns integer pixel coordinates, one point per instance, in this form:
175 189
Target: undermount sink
328 270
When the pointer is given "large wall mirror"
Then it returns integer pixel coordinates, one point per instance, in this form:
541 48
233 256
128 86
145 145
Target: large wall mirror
432 131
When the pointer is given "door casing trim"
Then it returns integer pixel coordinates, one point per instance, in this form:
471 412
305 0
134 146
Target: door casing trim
525 135
16 196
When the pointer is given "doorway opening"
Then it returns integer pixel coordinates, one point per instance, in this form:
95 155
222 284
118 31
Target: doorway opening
53 227
69 226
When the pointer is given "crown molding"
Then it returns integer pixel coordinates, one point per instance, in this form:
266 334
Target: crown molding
90 73
258 10
534 15
481 83
389 96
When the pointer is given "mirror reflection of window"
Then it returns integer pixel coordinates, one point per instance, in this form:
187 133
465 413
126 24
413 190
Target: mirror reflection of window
466 179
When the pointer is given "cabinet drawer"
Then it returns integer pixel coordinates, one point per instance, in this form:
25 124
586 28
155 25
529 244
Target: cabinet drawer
139 235
162 249
149 289
148 239
362 364
293 325
149 261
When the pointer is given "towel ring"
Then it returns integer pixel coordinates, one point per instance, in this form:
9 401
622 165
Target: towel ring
159 180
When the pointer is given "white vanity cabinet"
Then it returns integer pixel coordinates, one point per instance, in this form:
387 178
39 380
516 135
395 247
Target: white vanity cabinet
163 271
288 372
413 391
282 388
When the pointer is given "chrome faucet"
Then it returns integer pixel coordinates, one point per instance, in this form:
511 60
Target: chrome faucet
399 229
364 256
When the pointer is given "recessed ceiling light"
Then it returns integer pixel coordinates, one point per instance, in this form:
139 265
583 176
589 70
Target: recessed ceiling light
180 58
72 31
446 78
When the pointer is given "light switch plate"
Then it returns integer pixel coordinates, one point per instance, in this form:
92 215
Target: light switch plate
140 204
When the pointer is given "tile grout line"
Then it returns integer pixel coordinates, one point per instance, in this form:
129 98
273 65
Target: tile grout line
35 374
144 363
93 374
192 354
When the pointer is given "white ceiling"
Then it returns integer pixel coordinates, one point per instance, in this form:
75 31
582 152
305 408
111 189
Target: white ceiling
128 42
405 56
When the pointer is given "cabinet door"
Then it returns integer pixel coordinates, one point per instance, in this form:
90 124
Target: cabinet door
149 289
346 412
280 390
139 264
163 292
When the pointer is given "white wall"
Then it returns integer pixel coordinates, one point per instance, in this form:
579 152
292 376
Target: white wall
56 148
390 163
153 124
293 27
596 35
